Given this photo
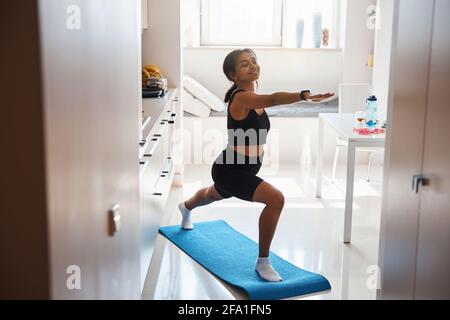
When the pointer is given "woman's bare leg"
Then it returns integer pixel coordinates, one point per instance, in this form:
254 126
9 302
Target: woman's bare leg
203 197
268 220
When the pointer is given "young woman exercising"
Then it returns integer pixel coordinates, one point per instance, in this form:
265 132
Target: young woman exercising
234 171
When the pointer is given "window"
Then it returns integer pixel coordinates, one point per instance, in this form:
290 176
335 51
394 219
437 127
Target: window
275 23
241 22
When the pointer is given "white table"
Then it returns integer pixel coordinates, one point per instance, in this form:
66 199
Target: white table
343 124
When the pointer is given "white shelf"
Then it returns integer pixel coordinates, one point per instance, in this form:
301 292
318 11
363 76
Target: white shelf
153 107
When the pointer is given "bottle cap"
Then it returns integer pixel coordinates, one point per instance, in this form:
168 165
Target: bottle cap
372 98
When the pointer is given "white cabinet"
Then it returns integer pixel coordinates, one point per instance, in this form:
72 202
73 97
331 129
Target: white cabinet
157 152
161 46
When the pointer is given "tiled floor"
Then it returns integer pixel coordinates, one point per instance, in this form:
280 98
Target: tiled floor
309 234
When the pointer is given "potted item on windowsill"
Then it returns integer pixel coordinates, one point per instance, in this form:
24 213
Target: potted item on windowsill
300 31
325 37
317 29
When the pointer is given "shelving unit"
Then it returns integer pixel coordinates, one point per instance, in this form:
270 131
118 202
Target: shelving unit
161 145
156 154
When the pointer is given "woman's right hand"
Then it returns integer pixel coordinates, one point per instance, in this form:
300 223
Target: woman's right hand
318 97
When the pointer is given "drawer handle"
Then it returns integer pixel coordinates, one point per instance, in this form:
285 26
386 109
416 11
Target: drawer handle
143 166
173 116
152 150
164 173
166 169
162 130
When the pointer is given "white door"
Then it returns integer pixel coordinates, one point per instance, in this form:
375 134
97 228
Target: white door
433 251
414 254
404 147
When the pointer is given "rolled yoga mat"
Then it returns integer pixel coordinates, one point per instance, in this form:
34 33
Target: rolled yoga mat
231 256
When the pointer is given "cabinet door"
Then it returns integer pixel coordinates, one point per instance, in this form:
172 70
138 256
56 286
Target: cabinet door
90 65
433 252
404 146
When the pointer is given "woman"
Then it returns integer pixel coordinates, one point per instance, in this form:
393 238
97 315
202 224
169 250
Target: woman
234 171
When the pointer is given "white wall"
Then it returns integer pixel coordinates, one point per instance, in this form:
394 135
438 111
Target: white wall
190 23
281 69
161 42
382 59
358 42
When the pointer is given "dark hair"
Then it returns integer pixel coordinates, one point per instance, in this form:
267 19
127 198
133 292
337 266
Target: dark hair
229 66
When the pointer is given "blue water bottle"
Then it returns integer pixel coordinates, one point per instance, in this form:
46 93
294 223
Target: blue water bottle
371 113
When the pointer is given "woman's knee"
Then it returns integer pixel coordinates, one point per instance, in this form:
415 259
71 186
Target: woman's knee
269 195
212 194
276 200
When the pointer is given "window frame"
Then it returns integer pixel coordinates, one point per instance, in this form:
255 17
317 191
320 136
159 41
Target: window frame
277 32
278 40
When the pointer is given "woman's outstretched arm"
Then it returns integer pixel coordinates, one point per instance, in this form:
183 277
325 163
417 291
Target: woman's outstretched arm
251 100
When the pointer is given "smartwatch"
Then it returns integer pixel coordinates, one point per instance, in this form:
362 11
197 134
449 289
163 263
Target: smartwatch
302 94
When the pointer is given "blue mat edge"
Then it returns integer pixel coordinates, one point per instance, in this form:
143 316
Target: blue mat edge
231 284
327 287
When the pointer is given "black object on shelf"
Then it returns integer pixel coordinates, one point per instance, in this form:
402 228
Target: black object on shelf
152 93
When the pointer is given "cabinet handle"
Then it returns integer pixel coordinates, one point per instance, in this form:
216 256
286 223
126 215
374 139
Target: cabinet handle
166 169
418 180
165 172
143 142
153 148
164 123
143 167
114 220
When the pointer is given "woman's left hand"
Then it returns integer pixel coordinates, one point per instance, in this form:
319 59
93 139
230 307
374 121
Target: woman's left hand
318 97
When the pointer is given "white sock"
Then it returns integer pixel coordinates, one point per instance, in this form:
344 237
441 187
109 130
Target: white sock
265 270
186 223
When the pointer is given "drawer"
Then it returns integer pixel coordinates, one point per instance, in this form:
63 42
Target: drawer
164 181
154 157
156 154
142 167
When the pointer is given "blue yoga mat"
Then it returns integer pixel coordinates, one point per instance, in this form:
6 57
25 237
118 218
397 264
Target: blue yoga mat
231 256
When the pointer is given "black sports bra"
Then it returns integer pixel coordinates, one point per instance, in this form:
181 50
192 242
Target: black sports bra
250 131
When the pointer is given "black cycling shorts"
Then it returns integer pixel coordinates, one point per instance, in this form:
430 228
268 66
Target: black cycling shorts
234 174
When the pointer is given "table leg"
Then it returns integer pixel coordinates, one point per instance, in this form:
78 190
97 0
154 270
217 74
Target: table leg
319 165
349 192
